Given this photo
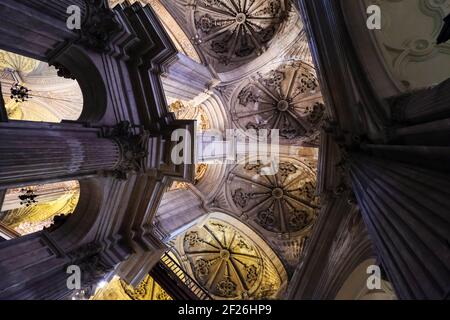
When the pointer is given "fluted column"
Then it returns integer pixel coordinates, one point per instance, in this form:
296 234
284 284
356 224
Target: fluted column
35 267
19 269
57 9
33 153
406 209
422 106
40 29
33 27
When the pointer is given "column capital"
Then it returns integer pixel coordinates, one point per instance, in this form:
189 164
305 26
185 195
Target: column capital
93 268
134 144
99 24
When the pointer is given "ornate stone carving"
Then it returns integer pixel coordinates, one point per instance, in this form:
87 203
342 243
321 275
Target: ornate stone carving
201 268
63 71
241 198
99 25
233 32
284 203
188 112
88 258
134 149
266 218
200 171
408 49
226 288
148 289
227 263
252 273
287 99
286 168
192 238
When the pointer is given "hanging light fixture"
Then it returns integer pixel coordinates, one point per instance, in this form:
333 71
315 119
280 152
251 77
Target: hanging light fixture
27 197
20 93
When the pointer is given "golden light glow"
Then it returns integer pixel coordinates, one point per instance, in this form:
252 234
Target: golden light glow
188 112
117 289
52 98
228 263
53 199
17 62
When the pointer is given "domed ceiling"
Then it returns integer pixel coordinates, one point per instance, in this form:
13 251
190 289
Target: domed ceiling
233 32
229 262
286 98
52 98
284 203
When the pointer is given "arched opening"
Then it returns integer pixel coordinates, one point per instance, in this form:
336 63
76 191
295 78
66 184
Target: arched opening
33 91
185 111
211 125
33 208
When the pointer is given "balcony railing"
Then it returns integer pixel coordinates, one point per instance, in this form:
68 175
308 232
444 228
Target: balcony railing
172 267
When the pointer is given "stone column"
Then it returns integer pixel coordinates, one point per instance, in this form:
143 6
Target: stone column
35 267
45 27
307 276
35 153
40 30
406 210
423 105
425 156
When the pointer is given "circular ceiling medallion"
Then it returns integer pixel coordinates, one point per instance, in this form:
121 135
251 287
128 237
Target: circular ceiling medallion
287 99
236 31
282 203
228 264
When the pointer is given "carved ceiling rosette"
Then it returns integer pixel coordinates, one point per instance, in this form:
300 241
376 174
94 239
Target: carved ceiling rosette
228 264
233 32
148 289
286 98
284 203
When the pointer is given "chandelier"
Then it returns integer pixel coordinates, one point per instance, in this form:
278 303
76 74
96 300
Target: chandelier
19 93
27 197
